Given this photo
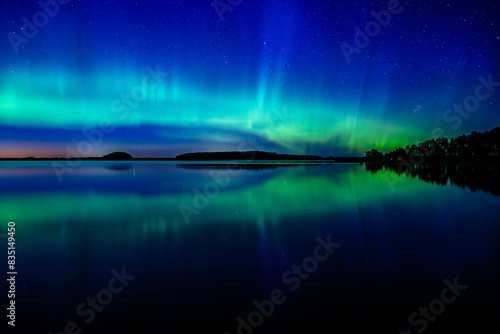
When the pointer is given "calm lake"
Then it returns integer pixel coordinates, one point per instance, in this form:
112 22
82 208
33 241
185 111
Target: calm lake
127 247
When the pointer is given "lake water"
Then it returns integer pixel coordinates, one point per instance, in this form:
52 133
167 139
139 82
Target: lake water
288 247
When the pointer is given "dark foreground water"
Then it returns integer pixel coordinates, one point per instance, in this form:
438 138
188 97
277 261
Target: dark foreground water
165 248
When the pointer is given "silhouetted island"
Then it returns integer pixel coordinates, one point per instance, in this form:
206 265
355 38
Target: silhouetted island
243 155
117 156
108 157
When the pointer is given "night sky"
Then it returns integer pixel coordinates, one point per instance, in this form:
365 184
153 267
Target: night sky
161 78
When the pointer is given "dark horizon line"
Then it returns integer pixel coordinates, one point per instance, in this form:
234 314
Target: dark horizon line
199 156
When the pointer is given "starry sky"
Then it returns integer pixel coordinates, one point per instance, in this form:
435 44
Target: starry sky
162 78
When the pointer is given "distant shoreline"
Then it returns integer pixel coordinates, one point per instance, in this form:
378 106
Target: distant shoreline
86 159
251 157
277 161
257 161
357 160
248 156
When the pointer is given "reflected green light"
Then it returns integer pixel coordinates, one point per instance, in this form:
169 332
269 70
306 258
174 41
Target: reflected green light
296 191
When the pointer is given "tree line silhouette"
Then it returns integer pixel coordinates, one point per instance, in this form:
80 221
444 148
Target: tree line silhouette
484 176
476 146
444 161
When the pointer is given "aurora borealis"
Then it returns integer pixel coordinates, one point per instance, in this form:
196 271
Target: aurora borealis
272 70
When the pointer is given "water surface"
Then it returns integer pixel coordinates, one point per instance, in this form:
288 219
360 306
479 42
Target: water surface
205 241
